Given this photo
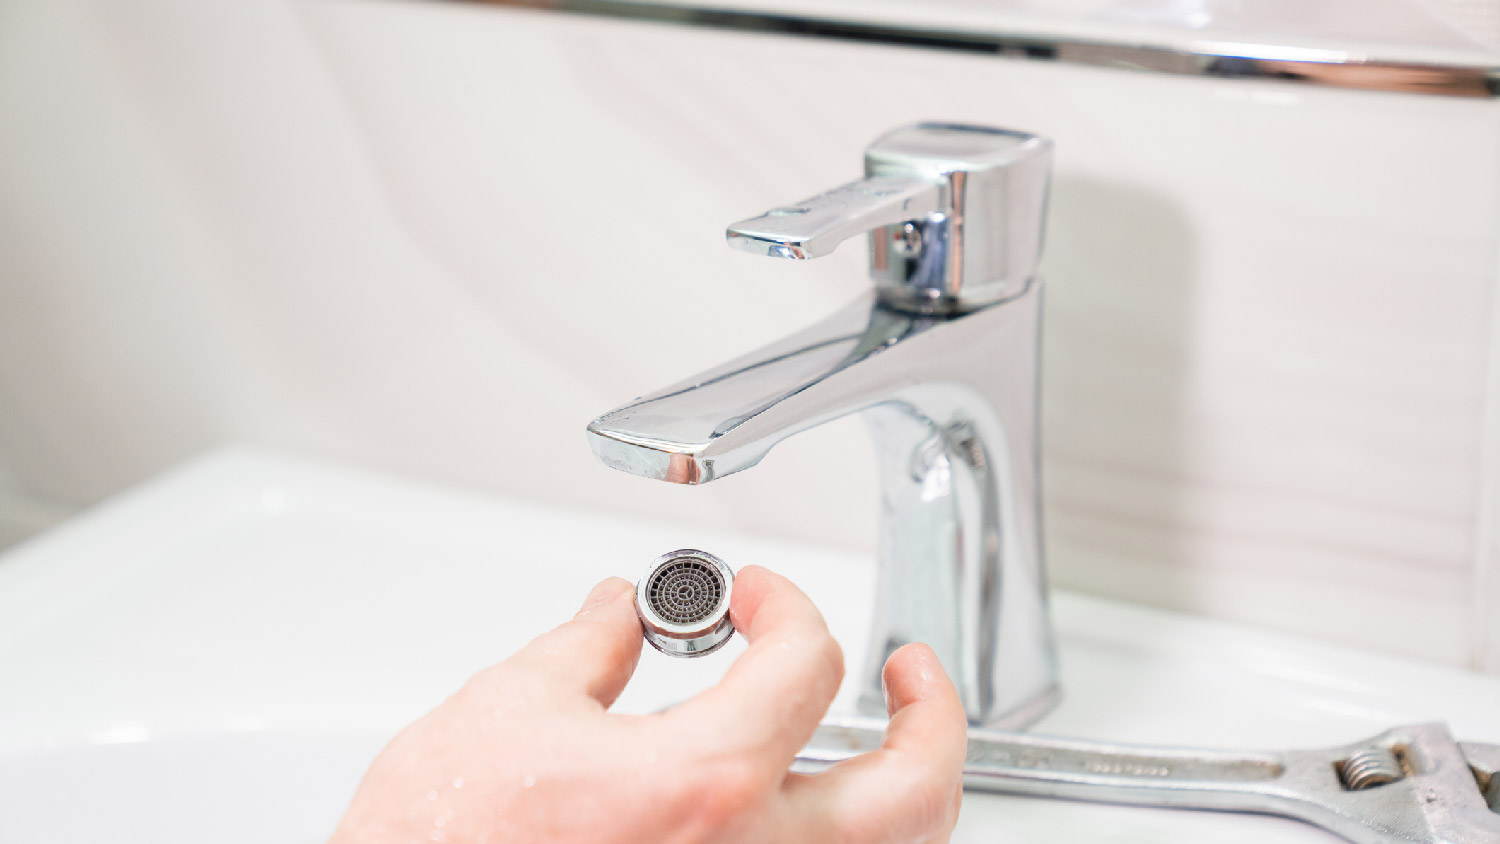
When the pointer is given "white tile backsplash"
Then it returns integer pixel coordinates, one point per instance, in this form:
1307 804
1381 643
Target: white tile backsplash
439 239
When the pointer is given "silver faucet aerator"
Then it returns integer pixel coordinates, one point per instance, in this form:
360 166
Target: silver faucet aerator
683 602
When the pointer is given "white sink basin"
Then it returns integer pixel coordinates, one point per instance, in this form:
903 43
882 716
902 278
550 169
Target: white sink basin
218 656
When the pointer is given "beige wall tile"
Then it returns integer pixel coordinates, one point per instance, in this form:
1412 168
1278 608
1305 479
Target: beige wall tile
438 239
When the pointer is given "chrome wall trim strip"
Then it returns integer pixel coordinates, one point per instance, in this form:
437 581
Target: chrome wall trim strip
1329 68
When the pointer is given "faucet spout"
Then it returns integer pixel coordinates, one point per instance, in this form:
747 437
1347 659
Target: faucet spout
726 419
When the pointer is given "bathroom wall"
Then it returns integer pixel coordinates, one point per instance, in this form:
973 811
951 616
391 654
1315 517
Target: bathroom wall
437 239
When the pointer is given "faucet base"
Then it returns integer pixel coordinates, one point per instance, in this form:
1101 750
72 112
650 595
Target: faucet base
1019 718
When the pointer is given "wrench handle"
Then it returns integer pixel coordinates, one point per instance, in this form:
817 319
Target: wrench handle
1438 799
1018 763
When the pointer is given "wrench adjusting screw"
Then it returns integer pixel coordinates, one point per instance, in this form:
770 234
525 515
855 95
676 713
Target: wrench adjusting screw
1370 767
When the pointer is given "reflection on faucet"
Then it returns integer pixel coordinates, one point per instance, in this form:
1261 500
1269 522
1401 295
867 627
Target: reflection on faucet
942 358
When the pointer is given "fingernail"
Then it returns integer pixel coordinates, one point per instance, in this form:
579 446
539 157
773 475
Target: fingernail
602 594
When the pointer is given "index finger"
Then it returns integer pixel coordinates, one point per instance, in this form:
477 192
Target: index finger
772 698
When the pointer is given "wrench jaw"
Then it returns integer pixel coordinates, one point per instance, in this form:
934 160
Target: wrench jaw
1448 787
1484 761
1436 800
1427 790
1459 792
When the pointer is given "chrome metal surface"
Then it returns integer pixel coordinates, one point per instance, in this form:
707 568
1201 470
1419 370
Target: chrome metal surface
813 227
1447 796
954 216
683 603
951 401
1217 59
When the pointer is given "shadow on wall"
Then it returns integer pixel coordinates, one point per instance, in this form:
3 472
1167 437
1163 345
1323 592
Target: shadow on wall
1117 373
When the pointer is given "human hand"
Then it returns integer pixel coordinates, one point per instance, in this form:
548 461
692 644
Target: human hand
526 752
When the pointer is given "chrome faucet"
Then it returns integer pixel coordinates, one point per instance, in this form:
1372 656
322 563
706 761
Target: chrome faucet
942 359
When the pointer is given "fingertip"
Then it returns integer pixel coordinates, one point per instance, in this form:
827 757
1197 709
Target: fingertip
752 586
593 654
913 673
608 590
753 571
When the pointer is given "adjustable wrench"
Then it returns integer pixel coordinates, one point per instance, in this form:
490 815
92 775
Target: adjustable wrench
1408 785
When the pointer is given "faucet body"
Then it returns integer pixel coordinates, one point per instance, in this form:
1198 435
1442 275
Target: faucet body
944 369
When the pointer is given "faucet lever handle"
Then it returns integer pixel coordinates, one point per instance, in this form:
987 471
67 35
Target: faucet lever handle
955 216
814 227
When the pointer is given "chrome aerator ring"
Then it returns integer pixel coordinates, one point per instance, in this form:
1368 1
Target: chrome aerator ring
683 602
